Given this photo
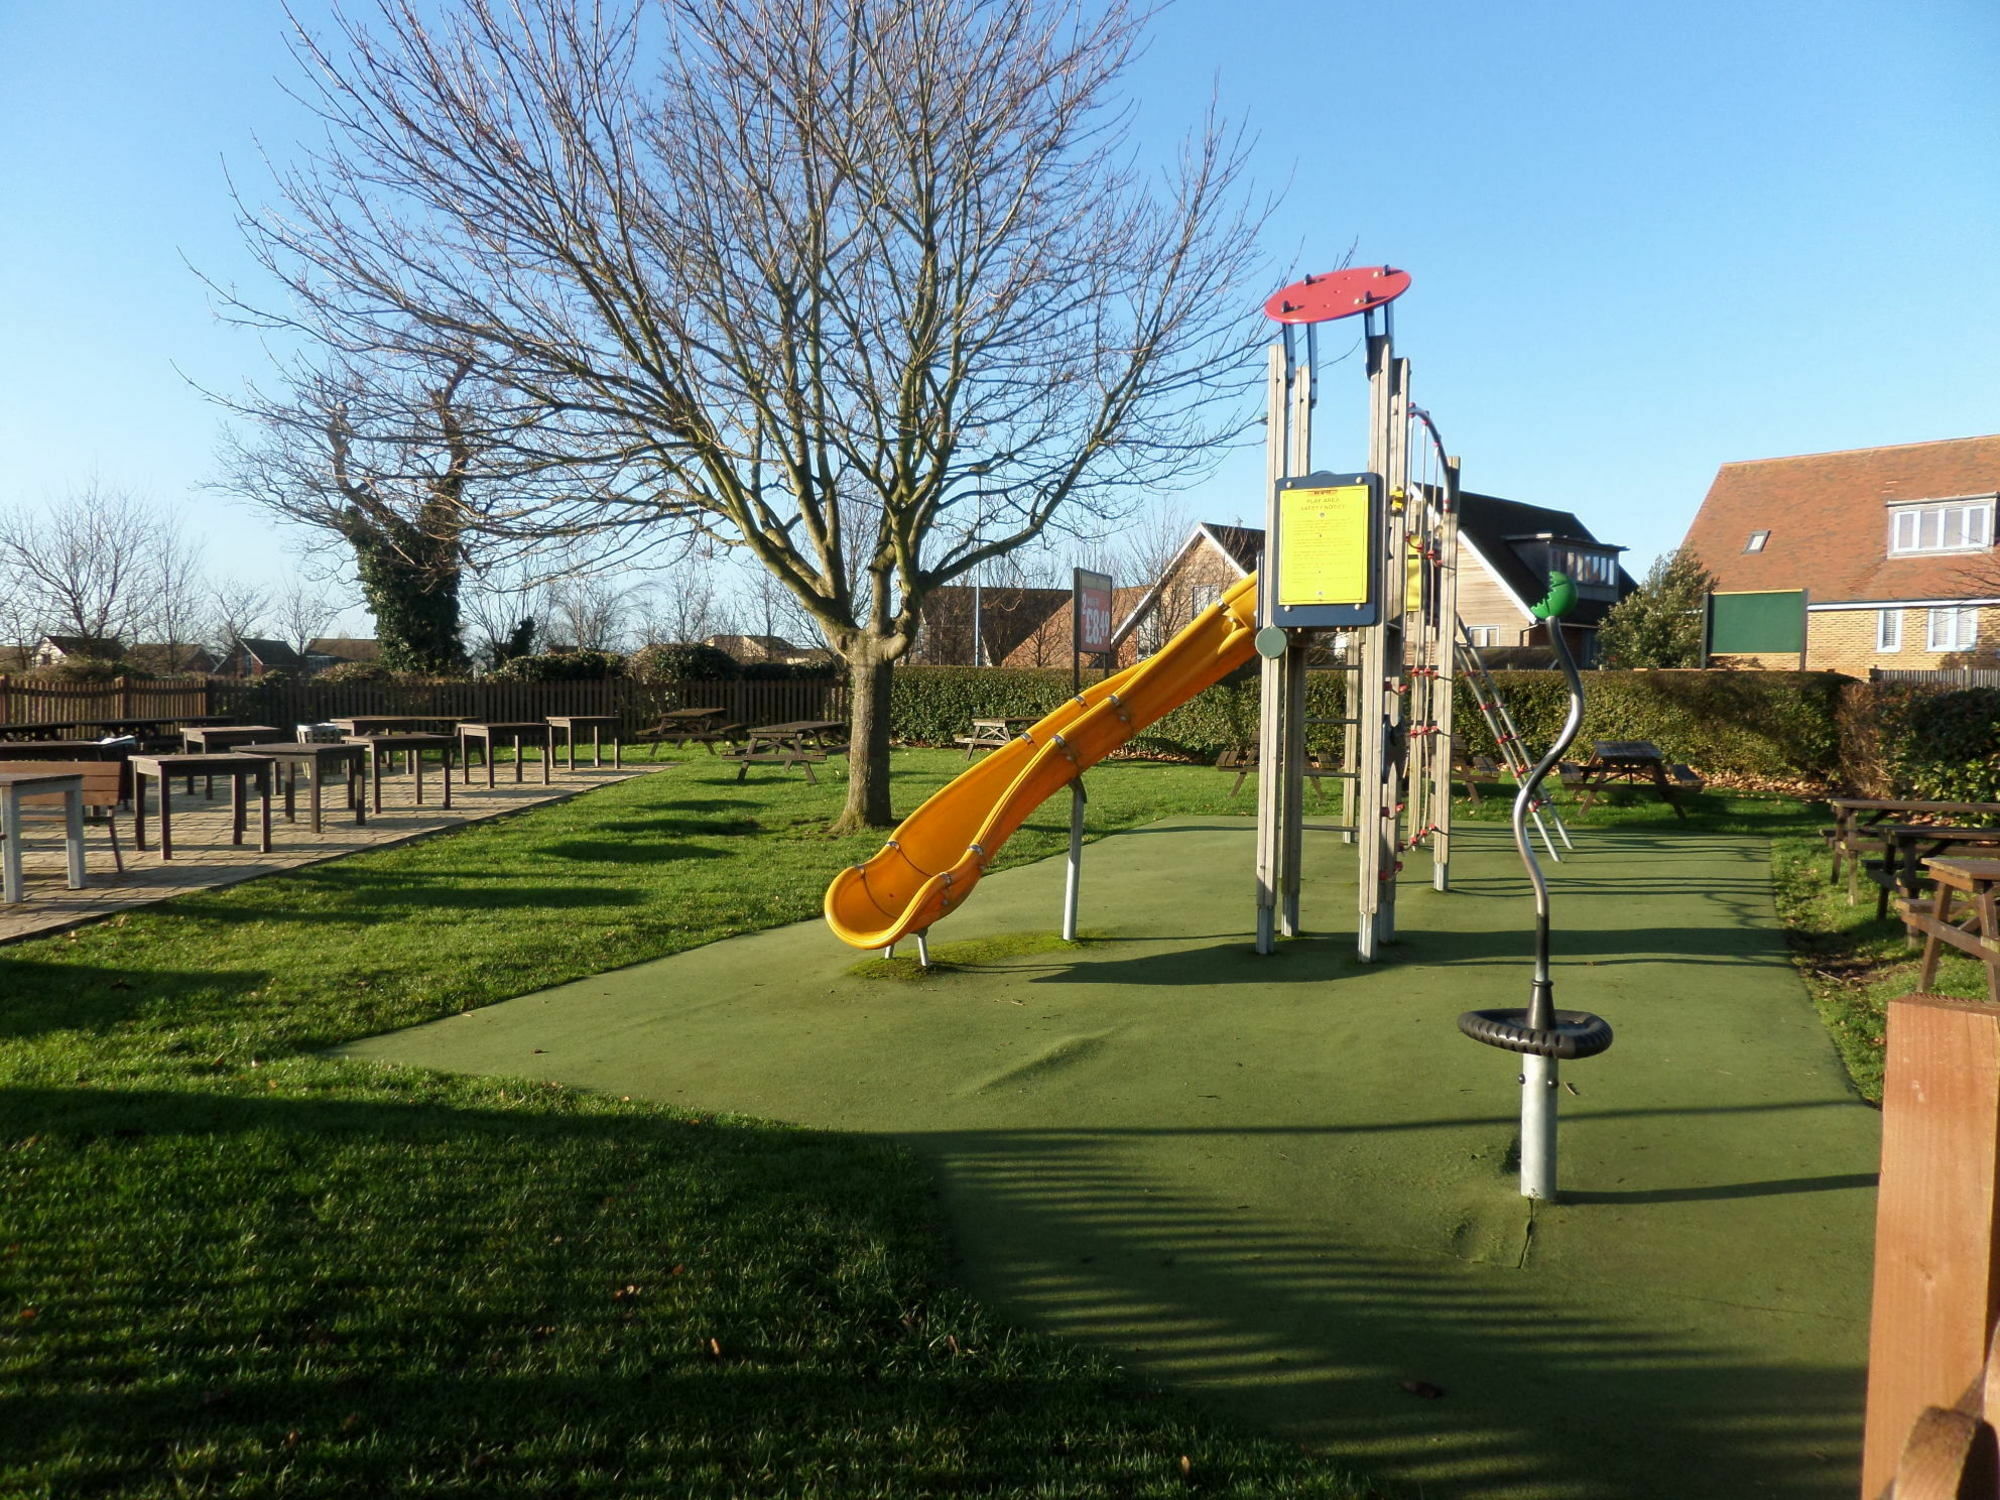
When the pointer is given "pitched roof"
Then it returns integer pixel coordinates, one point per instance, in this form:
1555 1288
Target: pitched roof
1492 524
346 647
271 653
109 647
1828 522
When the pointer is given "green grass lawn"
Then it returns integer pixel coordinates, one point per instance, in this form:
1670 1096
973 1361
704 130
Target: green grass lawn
1853 964
231 1267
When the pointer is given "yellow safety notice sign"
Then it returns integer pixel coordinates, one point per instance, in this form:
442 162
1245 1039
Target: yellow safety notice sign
1326 539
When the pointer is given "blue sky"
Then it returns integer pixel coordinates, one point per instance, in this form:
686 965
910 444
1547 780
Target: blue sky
1647 236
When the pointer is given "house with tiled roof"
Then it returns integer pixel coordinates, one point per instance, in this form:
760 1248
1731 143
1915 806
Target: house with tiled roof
1506 551
253 656
1893 548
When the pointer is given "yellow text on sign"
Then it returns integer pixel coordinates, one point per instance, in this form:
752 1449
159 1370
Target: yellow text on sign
1323 552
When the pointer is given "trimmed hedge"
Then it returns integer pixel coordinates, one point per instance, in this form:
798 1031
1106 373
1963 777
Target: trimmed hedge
1768 726
1912 740
1805 730
1763 725
935 705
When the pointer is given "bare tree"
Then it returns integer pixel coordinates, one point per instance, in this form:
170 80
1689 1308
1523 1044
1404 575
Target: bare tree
235 610
176 596
82 567
688 601
815 278
1147 558
303 613
584 611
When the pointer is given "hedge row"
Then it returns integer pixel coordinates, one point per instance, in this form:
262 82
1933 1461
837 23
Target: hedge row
934 705
1815 728
1909 740
1763 725
1760 726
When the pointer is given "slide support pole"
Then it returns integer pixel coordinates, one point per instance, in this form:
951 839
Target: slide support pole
1074 875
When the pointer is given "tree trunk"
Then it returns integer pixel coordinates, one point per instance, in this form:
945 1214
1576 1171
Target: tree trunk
869 673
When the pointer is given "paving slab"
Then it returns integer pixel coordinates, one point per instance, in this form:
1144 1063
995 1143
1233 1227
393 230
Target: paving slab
205 857
1286 1183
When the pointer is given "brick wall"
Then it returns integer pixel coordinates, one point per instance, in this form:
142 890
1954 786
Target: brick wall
1843 640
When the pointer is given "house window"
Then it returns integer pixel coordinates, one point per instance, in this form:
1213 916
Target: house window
1953 628
1888 630
1757 540
1483 635
1961 526
1596 568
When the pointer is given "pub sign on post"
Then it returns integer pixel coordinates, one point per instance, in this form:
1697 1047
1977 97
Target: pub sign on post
1093 612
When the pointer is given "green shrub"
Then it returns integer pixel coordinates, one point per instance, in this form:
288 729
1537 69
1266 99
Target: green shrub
560 666
670 661
934 705
1914 740
353 671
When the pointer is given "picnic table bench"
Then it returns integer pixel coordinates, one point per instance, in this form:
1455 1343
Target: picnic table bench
1976 931
1900 867
991 734
1852 815
804 743
1630 763
690 726
39 781
1244 760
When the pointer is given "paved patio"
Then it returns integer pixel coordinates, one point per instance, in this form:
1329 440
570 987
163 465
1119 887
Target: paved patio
205 858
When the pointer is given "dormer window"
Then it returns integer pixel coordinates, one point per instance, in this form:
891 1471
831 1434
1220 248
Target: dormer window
1949 526
1757 540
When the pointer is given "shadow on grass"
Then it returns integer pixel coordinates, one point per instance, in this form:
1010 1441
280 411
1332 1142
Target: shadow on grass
635 852
46 997
369 1296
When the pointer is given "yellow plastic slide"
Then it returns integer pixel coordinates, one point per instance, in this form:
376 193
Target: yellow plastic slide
930 867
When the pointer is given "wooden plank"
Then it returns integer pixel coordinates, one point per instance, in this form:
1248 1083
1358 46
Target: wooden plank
1937 1225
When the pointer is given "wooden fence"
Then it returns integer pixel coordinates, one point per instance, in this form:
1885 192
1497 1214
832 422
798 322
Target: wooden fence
286 702
40 701
1933 1381
1950 677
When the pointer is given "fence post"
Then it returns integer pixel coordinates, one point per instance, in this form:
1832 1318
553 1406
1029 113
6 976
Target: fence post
1937 1219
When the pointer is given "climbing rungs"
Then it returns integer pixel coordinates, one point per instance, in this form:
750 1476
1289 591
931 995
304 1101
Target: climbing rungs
1333 721
1327 827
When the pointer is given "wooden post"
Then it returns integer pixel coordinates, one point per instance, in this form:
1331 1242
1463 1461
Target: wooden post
1937 1223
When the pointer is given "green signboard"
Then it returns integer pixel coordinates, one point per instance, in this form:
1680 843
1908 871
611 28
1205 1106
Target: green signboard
1767 623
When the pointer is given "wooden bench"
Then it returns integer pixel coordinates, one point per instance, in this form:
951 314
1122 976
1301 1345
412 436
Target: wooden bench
103 790
1243 760
745 759
678 732
1908 851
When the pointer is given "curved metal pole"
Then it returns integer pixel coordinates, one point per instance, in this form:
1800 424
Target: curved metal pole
1541 1006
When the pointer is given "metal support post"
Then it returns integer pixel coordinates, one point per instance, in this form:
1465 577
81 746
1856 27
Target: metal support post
1444 659
1270 704
1291 806
1539 1080
1074 876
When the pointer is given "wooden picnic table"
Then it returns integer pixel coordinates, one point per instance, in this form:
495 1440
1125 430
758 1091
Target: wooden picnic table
315 758
1851 814
241 769
1976 931
487 737
386 747
802 743
991 734
690 726
15 787
1622 763
598 725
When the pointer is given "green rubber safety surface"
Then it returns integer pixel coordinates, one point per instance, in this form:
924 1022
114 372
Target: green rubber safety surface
1286 1183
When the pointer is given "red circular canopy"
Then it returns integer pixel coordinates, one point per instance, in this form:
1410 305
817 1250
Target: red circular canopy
1337 294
